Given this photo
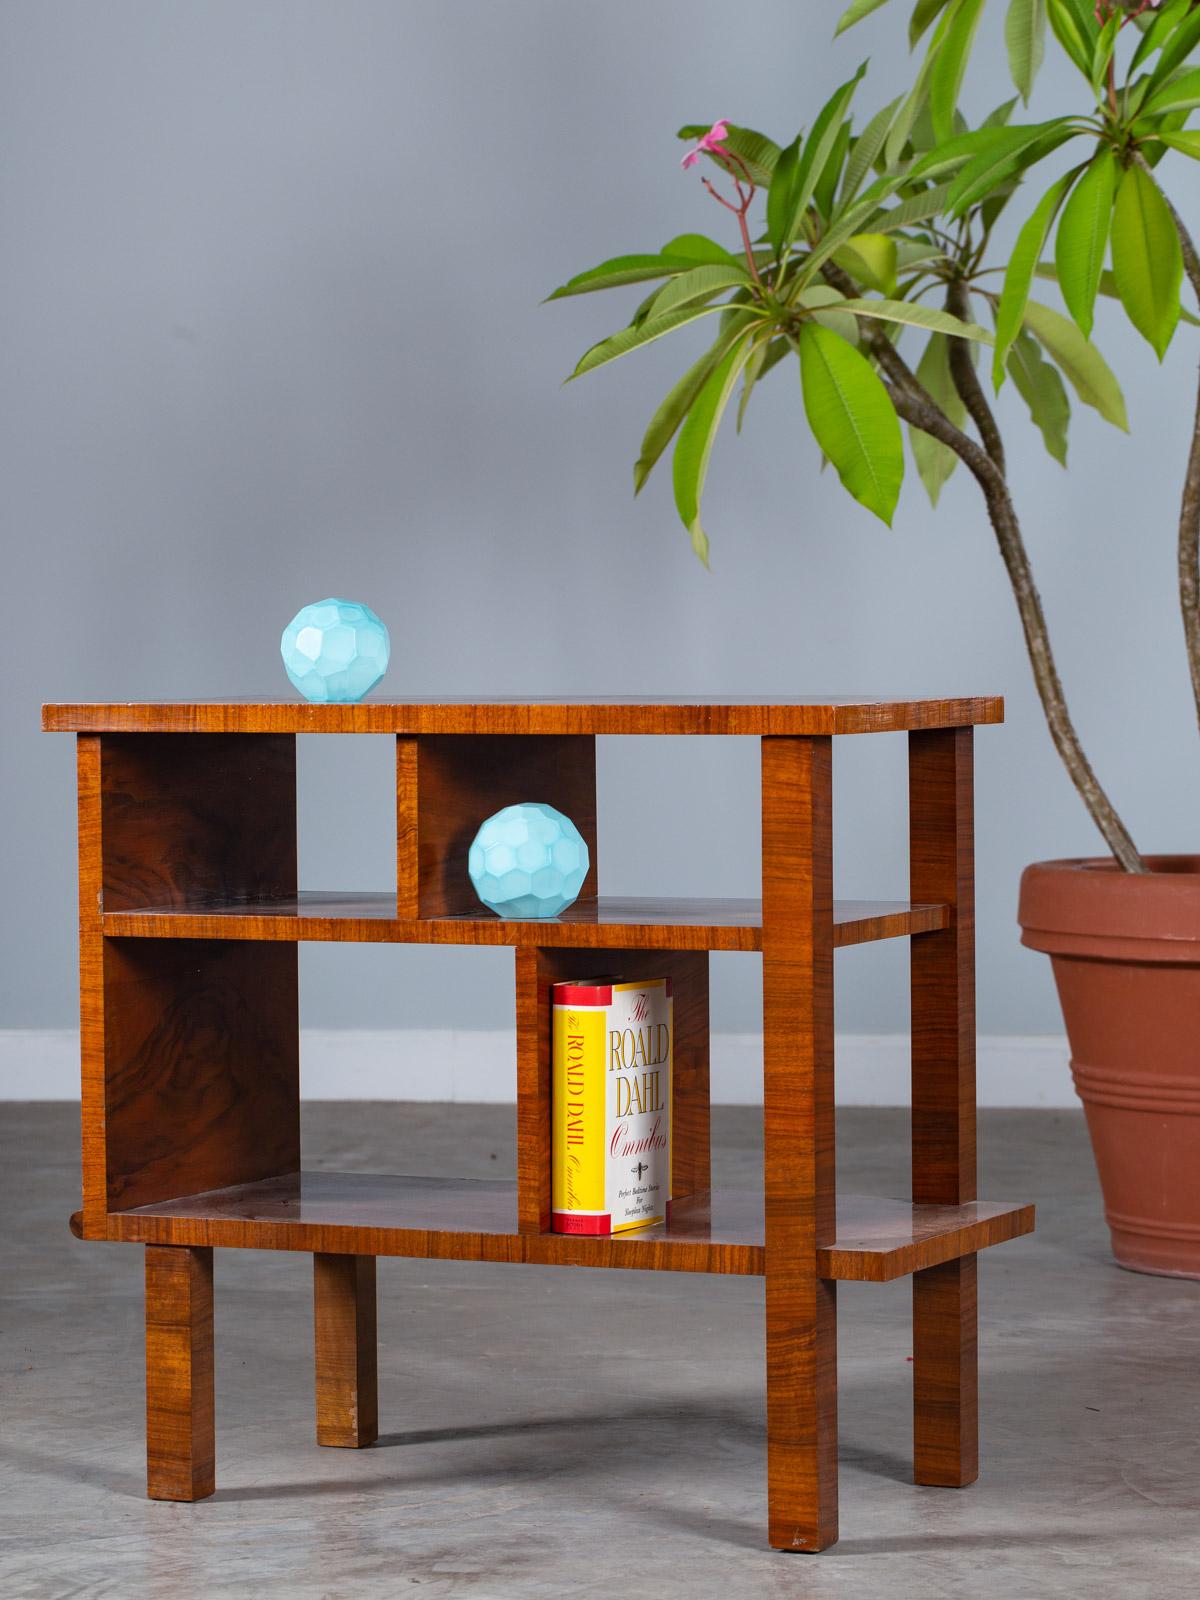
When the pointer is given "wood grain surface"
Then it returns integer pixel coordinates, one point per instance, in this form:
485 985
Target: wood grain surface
180 1405
798 1142
669 714
941 855
346 1350
455 782
380 1214
627 923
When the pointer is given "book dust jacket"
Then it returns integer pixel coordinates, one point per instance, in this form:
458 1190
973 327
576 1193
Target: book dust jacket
611 1105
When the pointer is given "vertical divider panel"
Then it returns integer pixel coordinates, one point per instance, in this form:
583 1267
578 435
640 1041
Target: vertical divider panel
538 970
447 784
190 1048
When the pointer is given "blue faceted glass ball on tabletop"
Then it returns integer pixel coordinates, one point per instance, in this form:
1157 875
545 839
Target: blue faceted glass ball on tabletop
528 861
335 651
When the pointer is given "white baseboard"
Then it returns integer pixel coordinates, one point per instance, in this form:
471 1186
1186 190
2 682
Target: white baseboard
440 1064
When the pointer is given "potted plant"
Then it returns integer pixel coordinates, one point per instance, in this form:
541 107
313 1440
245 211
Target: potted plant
864 223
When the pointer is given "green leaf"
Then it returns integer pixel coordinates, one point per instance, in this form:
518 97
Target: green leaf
1160 26
1001 116
1108 287
621 270
758 153
1177 47
765 356
1147 259
871 259
918 208
826 187
1002 159
817 150
697 247
1181 94
917 316
855 13
1102 51
1090 375
1025 36
947 76
700 283
1188 141
1074 40
681 398
864 152
1041 387
1018 277
925 13
781 195
693 448
631 338
936 461
825 303
1082 239
852 418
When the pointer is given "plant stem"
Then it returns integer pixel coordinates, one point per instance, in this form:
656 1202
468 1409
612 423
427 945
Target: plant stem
926 416
915 405
1188 547
966 380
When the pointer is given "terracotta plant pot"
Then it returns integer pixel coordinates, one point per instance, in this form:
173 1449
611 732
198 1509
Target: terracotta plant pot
1126 955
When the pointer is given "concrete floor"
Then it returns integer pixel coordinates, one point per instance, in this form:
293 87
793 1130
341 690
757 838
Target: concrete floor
586 1434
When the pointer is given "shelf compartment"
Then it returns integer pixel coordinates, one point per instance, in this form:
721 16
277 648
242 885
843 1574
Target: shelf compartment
604 923
465 1220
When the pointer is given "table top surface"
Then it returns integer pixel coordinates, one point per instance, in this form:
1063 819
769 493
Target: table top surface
600 714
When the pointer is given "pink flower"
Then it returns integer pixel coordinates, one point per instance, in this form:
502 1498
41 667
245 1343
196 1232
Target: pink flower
711 143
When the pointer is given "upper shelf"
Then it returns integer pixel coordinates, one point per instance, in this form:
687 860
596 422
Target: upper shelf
647 714
633 924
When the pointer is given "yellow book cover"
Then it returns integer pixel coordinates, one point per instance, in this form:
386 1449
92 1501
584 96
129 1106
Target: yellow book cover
611 1105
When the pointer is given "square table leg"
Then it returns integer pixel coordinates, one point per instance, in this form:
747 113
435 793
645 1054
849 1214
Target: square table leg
180 1410
346 1350
941 852
798 1141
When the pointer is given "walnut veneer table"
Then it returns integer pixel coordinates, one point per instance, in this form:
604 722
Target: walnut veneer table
190 918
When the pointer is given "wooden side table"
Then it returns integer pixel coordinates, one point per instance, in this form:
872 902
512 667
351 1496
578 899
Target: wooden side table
190 918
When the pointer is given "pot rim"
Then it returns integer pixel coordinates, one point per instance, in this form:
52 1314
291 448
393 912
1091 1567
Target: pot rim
1088 906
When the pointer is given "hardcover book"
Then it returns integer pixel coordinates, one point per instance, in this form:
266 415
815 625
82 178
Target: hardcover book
611 1105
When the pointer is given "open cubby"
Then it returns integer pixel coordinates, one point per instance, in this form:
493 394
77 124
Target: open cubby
190 922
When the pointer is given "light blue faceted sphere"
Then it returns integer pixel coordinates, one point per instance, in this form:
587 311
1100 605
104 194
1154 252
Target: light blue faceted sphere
528 861
335 651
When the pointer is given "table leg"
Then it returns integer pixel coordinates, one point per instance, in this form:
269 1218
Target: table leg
941 850
180 1412
798 1141
346 1350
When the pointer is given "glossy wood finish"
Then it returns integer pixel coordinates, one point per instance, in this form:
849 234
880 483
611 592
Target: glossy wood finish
189 924
346 1349
187 819
798 1141
377 1214
538 970
189 1065
180 1406
649 714
447 785
202 1066
630 923
941 854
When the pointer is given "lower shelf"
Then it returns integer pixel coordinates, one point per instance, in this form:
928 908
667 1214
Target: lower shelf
459 1219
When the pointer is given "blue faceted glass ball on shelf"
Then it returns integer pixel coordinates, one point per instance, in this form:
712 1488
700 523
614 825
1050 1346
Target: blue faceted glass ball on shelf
335 651
528 861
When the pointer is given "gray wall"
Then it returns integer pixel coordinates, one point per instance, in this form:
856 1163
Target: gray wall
270 330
